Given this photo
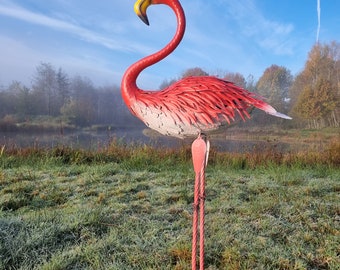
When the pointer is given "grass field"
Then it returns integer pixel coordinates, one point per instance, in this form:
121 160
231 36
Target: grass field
129 207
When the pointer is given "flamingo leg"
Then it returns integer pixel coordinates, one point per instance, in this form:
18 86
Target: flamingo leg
195 223
200 152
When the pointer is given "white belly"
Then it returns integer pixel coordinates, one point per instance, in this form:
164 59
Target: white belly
166 122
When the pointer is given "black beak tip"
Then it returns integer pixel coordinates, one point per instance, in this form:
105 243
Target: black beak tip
144 19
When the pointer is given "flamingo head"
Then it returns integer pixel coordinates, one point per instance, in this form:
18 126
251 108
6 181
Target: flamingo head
142 5
140 9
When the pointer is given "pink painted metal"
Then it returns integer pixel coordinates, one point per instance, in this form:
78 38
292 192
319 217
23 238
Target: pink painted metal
189 107
200 152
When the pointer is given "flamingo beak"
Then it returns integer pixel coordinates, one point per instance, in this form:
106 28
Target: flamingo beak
140 9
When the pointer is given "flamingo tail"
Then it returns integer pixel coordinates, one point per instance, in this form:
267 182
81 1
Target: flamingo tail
270 110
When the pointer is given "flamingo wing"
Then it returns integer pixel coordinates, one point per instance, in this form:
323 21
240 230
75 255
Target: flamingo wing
195 104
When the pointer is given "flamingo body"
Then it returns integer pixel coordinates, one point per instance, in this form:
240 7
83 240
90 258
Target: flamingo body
195 104
189 106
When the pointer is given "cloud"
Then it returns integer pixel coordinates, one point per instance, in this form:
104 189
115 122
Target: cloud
19 61
252 23
74 56
98 39
17 12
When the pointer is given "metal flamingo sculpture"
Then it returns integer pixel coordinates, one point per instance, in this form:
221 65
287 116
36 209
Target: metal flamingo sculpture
190 107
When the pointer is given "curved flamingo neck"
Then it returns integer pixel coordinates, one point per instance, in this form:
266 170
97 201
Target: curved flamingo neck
129 85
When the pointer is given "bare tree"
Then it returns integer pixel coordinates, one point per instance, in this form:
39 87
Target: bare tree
45 89
236 78
63 89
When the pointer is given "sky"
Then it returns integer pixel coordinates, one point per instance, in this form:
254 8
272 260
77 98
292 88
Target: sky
100 39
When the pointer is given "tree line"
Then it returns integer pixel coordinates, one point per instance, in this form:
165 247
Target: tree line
74 100
312 97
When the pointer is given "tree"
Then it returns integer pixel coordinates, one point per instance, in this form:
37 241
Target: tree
112 110
194 72
24 102
81 110
274 85
236 78
190 72
316 90
166 83
315 103
63 89
251 83
45 89
8 101
50 89
109 105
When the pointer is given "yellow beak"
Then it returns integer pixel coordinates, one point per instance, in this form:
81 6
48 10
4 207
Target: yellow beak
140 9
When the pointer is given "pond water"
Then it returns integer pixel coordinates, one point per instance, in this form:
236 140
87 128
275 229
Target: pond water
95 140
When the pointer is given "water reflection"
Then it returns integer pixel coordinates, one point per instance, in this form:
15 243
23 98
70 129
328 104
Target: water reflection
95 140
